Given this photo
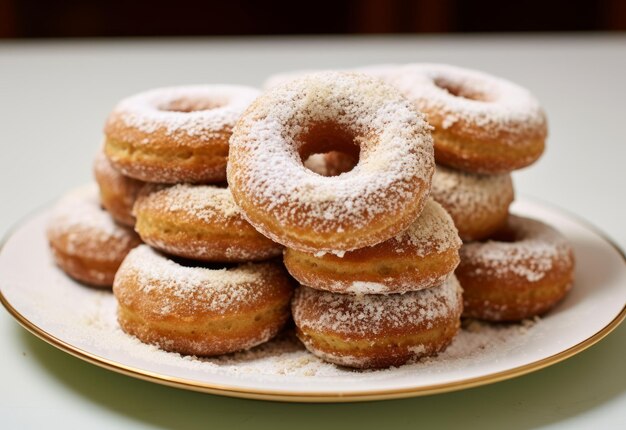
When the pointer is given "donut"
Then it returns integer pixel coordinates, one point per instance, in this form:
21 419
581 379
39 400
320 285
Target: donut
197 310
522 272
85 241
347 112
478 204
117 192
376 331
420 257
483 124
176 134
199 222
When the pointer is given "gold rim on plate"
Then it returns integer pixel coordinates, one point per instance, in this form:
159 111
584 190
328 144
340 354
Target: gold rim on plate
321 397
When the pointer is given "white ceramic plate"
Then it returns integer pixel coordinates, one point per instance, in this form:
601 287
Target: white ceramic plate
81 321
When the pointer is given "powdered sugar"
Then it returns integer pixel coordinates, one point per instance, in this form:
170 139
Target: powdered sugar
285 357
266 167
533 253
460 96
432 232
86 228
190 290
198 111
471 194
357 315
365 287
86 318
382 71
202 202
501 109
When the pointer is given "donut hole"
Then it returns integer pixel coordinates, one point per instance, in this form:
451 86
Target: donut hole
188 104
332 163
328 149
186 262
506 235
461 90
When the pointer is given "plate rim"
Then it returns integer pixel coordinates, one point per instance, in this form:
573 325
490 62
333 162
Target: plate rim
318 397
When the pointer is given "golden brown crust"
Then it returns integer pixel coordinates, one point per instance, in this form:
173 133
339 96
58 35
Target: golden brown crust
374 331
200 311
351 113
162 163
523 276
85 242
488 156
117 192
478 204
483 124
421 257
174 135
200 222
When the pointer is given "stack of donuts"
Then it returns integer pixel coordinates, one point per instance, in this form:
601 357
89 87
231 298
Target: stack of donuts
511 268
337 198
485 127
373 254
204 282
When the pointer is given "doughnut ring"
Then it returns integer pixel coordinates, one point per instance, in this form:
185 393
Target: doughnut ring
197 310
85 241
177 134
199 222
483 124
117 192
345 112
421 257
375 331
524 271
478 204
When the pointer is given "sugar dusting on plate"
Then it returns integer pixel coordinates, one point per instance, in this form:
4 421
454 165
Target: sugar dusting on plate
94 325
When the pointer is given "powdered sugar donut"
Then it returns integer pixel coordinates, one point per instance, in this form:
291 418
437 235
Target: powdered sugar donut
200 222
177 134
117 192
346 112
483 124
478 204
85 241
525 270
197 310
373 331
420 257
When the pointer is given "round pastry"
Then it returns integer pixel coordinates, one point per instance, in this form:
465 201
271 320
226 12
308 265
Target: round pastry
345 112
177 134
374 331
200 222
198 310
483 124
422 256
478 204
85 241
524 271
117 192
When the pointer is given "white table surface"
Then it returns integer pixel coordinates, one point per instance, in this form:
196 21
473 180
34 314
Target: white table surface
54 97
